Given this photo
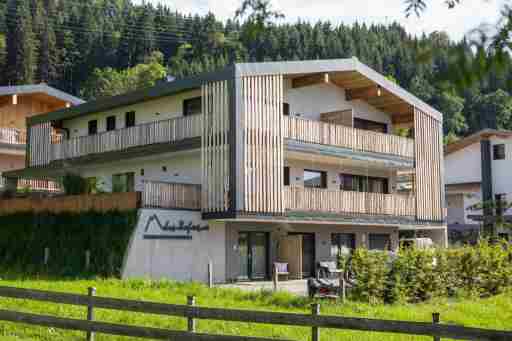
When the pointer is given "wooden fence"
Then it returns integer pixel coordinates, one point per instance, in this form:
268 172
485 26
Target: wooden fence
164 131
171 195
192 312
337 201
346 137
72 203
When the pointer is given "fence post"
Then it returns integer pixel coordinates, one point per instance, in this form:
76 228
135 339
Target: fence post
191 301
46 255
435 320
90 313
315 332
275 277
210 274
87 259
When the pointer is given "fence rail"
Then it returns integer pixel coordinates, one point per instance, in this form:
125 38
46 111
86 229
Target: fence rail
337 201
346 137
195 312
164 131
171 195
13 136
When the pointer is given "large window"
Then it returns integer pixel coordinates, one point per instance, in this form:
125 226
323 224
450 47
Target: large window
123 182
192 106
379 127
379 241
498 152
342 243
129 119
361 183
111 123
315 179
92 127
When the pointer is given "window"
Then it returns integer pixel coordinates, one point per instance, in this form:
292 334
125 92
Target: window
111 123
379 241
286 109
361 183
129 119
192 106
342 243
316 179
379 127
92 127
123 182
286 176
498 151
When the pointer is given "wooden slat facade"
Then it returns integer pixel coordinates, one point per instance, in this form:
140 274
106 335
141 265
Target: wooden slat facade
215 151
428 167
348 202
171 195
262 162
13 136
346 137
39 151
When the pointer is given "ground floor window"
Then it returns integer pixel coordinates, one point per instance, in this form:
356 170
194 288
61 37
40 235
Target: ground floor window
378 241
123 182
342 243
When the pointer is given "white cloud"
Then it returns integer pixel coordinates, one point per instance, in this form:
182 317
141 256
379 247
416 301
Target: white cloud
456 22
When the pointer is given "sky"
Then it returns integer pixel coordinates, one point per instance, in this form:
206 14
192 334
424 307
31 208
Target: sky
456 22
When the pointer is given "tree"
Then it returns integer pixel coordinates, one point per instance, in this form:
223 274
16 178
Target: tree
21 51
492 110
48 54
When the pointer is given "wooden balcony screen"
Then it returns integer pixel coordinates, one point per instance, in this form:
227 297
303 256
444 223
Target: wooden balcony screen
346 137
39 152
164 131
215 154
348 202
171 195
13 136
262 166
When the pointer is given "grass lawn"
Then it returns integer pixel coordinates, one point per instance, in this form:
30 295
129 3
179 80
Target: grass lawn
495 312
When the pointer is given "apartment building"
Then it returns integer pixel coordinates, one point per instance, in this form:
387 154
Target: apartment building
16 104
477 170
260 162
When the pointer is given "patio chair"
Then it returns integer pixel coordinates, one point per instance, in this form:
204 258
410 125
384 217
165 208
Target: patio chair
328 269
282 269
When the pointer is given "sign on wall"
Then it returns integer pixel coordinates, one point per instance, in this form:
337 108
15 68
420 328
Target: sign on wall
165 226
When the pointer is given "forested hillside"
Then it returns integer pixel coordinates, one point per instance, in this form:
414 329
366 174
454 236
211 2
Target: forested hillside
82 46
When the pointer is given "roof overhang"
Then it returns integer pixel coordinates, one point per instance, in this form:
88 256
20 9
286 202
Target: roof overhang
463 188
475 138
40 89
337 69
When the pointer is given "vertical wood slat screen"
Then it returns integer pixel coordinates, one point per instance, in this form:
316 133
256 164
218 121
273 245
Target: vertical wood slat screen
215 154
40 144
429 182
262 125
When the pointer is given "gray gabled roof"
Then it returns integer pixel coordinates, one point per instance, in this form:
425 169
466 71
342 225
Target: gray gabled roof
40 88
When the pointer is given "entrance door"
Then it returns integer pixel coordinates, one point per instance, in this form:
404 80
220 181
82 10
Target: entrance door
253 248
308 253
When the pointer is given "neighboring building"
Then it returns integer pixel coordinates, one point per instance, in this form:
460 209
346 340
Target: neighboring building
477 169
16 104
262 162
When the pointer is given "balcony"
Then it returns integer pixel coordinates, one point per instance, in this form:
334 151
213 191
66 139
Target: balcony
171 195
33 185
166 131
301 199
317 132
13 136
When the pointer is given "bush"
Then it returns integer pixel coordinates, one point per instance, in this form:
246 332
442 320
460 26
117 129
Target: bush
415 275
74 184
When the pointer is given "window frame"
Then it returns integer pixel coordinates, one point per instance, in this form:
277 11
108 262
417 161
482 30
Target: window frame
499 151
286 176
128 186
369 125
323 178
188 101
108 123
129 119
92 127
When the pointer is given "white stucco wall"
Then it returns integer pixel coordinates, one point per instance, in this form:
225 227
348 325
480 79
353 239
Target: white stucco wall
182 167
458 207
167 107
310 101
177 259
463 165
502 170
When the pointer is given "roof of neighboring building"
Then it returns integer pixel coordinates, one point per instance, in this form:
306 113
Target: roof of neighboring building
465 187
40 88
475 138
348 68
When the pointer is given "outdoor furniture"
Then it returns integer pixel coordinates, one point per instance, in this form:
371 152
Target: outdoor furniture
281 269
328 269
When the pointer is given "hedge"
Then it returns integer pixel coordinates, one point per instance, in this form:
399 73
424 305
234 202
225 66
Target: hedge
24 237
414 275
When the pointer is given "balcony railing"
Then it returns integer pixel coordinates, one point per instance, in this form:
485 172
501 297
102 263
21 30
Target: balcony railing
13 136
347 202
171 195
165 131
346 137
34 185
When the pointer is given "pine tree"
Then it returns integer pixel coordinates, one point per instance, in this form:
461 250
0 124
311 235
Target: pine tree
48 54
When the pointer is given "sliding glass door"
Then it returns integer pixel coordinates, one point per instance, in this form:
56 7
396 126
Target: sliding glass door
253 248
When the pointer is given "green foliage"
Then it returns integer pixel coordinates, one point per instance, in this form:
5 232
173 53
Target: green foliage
74 184
24 236
417 275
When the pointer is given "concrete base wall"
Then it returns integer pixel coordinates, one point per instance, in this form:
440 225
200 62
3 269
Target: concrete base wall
157 253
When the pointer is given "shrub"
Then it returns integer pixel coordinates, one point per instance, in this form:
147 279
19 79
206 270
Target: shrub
74 184
370 270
